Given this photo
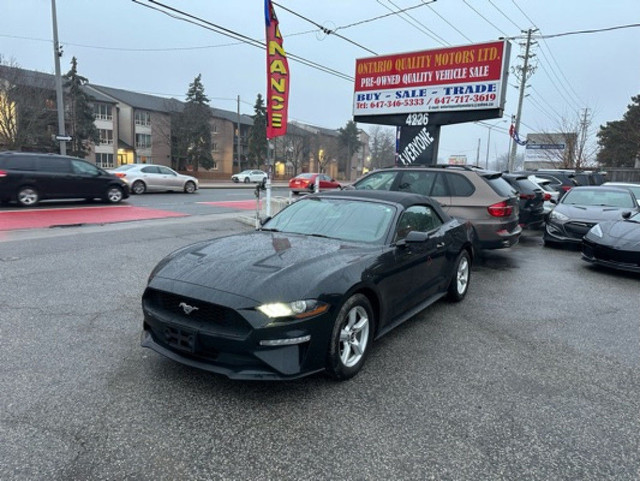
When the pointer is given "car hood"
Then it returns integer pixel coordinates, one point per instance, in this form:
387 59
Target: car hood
263 265
591 213
623 234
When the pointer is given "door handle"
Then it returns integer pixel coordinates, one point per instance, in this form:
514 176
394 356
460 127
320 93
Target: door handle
440 245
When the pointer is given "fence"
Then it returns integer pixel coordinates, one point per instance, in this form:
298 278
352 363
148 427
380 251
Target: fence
623 175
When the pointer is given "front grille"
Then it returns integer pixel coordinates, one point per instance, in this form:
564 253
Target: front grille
577 230
212 316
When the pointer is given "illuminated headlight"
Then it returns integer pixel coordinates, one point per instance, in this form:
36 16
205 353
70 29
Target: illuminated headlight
557 216
296 309
596 231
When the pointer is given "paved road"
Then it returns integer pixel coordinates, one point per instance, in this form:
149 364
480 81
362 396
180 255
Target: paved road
534 376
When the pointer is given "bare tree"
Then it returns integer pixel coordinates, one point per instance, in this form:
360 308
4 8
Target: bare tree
578 136
382 145
27 109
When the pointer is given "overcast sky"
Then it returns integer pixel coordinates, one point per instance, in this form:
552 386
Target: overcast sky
122 44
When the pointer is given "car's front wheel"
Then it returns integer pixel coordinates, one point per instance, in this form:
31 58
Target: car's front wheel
28 196
351 338
113 195
138 187
461 276
190 187
247 180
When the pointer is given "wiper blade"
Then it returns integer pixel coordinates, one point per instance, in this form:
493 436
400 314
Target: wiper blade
321 236
269 229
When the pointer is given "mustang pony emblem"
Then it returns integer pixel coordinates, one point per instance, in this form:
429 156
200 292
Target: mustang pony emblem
187 308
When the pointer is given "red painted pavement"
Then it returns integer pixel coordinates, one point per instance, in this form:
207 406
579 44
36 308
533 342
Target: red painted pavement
34 219
234 204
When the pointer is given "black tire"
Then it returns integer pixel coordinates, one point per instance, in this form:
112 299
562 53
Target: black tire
295 192
138 187
235 180
247 180
190 187
351 338
459 284
28 196
113 195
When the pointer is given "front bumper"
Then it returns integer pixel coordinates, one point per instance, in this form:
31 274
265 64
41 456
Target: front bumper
570 232
613 258
233 344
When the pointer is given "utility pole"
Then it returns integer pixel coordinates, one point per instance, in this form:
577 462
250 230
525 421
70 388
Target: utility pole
478 153
526 72
583 139
238 138
57 53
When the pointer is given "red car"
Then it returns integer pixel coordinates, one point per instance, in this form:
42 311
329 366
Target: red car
307 181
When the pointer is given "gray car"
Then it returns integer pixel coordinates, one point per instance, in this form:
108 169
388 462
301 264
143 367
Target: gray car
582 208
155 178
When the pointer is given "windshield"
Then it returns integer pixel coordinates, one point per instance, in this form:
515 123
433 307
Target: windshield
344 219
598 197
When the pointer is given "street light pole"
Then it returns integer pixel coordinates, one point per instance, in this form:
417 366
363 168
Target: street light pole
57 53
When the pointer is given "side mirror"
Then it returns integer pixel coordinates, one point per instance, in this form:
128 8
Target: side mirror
413 237
626 214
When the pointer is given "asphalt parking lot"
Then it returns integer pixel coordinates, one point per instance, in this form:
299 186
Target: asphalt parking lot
534 376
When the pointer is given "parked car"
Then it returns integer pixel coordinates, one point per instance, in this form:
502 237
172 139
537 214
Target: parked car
635 188
155 178
590 177
306 182
614 244
531 200
584 207
561 180
312 288
248 176
28 178
482 197
550 195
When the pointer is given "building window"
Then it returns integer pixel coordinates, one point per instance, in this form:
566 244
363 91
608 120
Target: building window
106 137
215 165
104 160
143 141
143 117
102 112
214 146
214 128
143 159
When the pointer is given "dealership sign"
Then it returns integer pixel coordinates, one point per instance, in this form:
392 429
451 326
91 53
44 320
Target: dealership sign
471 77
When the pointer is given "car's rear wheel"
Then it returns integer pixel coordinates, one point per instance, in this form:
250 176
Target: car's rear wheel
461 276
190 187
247 180
351 338
138 187
113 195
28 196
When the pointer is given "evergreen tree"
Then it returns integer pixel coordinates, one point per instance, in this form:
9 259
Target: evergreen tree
619 140
349 140
80 118
258 134
192 134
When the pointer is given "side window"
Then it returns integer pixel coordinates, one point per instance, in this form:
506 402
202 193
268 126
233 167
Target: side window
417 182
151 169
165 171
460 186
18 163
55 165
80 167
377 181
440 188
421 218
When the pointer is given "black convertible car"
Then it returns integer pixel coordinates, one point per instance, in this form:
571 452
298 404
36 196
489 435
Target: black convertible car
310 290
614 244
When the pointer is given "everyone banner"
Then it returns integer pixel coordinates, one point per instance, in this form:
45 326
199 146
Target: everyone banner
277 76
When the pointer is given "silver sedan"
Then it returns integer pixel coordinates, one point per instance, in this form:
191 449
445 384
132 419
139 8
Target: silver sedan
155 178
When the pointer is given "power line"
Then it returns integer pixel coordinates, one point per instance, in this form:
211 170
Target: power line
373 19
324 29
504 15
484 18
200 22
449 23
420 26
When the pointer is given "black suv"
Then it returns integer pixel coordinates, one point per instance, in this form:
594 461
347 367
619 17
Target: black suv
531 200
480 196
560 180
28 178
